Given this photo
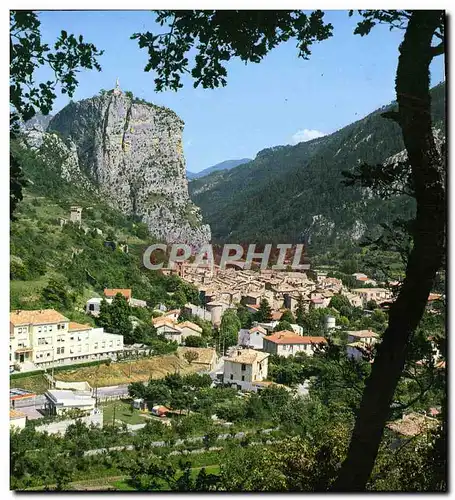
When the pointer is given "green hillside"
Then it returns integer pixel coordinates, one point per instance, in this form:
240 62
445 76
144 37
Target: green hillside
294 193
77 258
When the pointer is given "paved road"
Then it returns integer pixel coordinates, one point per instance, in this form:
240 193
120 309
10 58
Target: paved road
111 391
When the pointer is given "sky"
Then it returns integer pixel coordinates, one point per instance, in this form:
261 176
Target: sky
282 100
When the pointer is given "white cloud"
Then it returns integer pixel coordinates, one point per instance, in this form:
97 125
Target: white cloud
306 135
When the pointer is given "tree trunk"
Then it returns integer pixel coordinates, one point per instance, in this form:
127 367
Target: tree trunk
414 118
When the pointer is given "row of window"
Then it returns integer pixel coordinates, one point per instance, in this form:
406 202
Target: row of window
41 329
61 338
243 377
61 350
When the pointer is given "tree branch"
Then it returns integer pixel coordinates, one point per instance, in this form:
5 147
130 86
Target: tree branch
438 50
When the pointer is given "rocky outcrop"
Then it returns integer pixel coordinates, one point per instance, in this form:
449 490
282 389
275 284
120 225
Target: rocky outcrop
132 151
60 154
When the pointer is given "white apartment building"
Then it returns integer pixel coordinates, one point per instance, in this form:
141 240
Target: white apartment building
47 338
244 367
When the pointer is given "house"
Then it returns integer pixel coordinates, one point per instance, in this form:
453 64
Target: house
206 357
110 293
190 329
363 336
252 298
244 367
137 303
363 279
17 420
60 401
174 331
360 344
376 294
47 338
167 327
93 305
317 303
252 338
354 300
172 315
286 343
200 312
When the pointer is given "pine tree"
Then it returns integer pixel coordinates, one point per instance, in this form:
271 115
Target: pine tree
265 312
104 318
288 316
300 311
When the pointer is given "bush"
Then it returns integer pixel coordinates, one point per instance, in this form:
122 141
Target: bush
195 341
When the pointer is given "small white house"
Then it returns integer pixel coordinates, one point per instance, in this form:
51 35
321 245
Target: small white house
189 328
360 344
58 401
244 367
93 305
252 338
363 336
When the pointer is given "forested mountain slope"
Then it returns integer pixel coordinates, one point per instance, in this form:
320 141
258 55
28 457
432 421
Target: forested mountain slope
224 165
294 193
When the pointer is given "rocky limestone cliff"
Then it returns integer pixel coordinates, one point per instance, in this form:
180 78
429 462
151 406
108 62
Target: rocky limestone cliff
132 151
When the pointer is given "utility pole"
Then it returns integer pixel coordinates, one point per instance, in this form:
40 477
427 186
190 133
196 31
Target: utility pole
53 362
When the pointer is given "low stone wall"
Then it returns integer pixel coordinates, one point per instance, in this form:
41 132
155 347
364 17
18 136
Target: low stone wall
77 386
62 425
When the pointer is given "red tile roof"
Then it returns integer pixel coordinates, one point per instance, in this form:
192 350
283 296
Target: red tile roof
39 317
112 292
78 327
287 337
276 315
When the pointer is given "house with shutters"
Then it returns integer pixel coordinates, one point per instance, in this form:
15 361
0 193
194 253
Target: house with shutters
287 343
244 368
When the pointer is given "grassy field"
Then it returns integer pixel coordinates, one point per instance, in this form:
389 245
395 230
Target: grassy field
125 372
27 290
123 411
114 374
35 383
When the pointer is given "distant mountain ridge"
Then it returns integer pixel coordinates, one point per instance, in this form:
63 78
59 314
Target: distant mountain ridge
224 165
295 193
